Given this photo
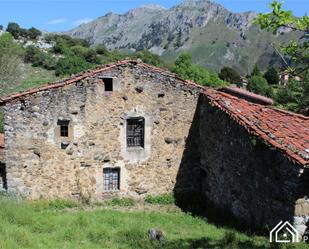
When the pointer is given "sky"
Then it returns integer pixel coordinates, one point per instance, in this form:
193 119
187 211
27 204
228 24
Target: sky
62 15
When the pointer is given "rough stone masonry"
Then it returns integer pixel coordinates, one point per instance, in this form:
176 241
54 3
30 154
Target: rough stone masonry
129 129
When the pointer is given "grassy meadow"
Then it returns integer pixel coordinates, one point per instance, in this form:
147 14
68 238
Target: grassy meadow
115 224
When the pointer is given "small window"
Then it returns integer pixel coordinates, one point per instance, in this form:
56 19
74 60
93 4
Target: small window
135 132
108 84
111 179
64 128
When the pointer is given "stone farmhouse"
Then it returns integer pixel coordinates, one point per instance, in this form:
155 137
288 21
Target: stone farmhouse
130 129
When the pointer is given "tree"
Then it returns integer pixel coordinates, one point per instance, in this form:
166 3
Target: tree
272 76
279 18
31 54
256 71
37 57
33 33
71 65
102 50
10 60
149 58
289 94
230 75
14 29
297 51
187 70
259 85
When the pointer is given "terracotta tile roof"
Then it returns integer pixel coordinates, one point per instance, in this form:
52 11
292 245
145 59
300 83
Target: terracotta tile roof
286 131
1 141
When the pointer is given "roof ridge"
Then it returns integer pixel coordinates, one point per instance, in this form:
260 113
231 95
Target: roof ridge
289 112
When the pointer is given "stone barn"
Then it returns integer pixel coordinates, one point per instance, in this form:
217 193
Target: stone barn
130 129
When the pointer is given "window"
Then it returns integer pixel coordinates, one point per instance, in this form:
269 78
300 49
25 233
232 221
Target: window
108 84
111 179
64 128
135 132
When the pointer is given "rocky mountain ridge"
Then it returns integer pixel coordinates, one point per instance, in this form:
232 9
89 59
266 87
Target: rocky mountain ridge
214 35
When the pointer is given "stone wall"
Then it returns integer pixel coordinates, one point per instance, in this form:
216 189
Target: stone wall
37 166
245 177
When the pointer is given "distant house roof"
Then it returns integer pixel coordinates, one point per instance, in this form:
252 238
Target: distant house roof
250 96
286 131
1 141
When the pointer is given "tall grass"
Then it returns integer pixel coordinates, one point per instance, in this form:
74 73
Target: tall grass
45 224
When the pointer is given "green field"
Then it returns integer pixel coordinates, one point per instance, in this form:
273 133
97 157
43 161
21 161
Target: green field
116 224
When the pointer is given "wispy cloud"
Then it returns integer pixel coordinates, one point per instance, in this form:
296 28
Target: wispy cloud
81 21
57 21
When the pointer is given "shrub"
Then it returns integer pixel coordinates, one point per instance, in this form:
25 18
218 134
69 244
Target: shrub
61 48
32 55
71 65
289 93
259 85
10 60
14 29
91 56
164 199
149 58
33 33
230 75
102 50
256 71
123 202
272 76
187 70
39 58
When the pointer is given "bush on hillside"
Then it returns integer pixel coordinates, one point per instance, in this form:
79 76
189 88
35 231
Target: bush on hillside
256 71
102 50
71 65
149 58
14 29
10 60
272 76
17 31
259 85
37 58
187 70
230 75
33 33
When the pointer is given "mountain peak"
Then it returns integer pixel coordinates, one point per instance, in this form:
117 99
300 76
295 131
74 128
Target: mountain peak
195 3
153 6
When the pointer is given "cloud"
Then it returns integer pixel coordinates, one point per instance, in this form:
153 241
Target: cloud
57 21
82 21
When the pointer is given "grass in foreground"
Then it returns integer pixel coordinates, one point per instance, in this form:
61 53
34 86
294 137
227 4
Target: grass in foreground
62 224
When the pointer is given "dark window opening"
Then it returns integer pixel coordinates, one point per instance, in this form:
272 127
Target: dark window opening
108 84
111 179
135 132
3 182
64 128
